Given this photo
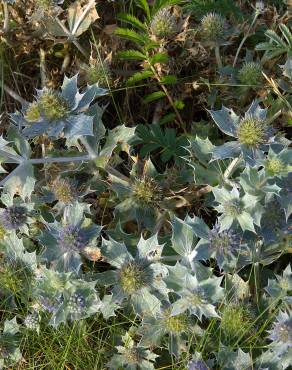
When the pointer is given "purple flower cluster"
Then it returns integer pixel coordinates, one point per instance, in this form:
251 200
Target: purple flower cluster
281 333
14 217
76 303
197 365
50 304
72 238
224 243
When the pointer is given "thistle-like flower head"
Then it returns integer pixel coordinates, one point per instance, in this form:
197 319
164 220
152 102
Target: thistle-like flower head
59 112
146 192
97 72
197 365
164 24
175 324
72 238
31 321
281 332
33 112
76 303
53 105
250 73
132 277
64 190
14 217
251 132
236 319
213 27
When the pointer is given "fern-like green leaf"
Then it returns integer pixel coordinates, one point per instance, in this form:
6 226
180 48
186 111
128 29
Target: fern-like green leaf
159 58
143 4
131 19
132 35
139 76
154 96
159 4
286 33
131 55
276 38
168 80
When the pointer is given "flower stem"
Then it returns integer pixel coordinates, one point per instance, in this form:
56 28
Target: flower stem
244 38
6 17
218 56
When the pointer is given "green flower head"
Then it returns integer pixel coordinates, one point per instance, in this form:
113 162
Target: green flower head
213 27
146 192
163 24
53 105
250 73
251 132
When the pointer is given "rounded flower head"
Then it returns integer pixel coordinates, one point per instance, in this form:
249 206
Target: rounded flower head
50 303
281 333
97 72
163 24
63 190
233 208
53 105
33 113
133 356
250 73
76 303
197 365
14 217
72 238
224 242
175 324
213 27
132 277
251 132
236 319
32 321
147 192
275 166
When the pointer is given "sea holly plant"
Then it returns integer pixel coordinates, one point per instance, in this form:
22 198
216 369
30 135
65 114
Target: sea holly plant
9 344
64 296
253 133
138 280
132 356
59 113
66 241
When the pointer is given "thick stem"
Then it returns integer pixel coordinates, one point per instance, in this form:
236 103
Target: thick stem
218 56
244 38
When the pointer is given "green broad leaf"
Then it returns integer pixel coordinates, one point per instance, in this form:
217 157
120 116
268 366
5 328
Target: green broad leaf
170 80
131 55
154 96
154 137
131 19
132 35
286 33
169 117
139 76
159 58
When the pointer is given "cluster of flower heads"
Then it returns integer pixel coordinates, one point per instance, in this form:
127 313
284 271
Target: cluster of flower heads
191 288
